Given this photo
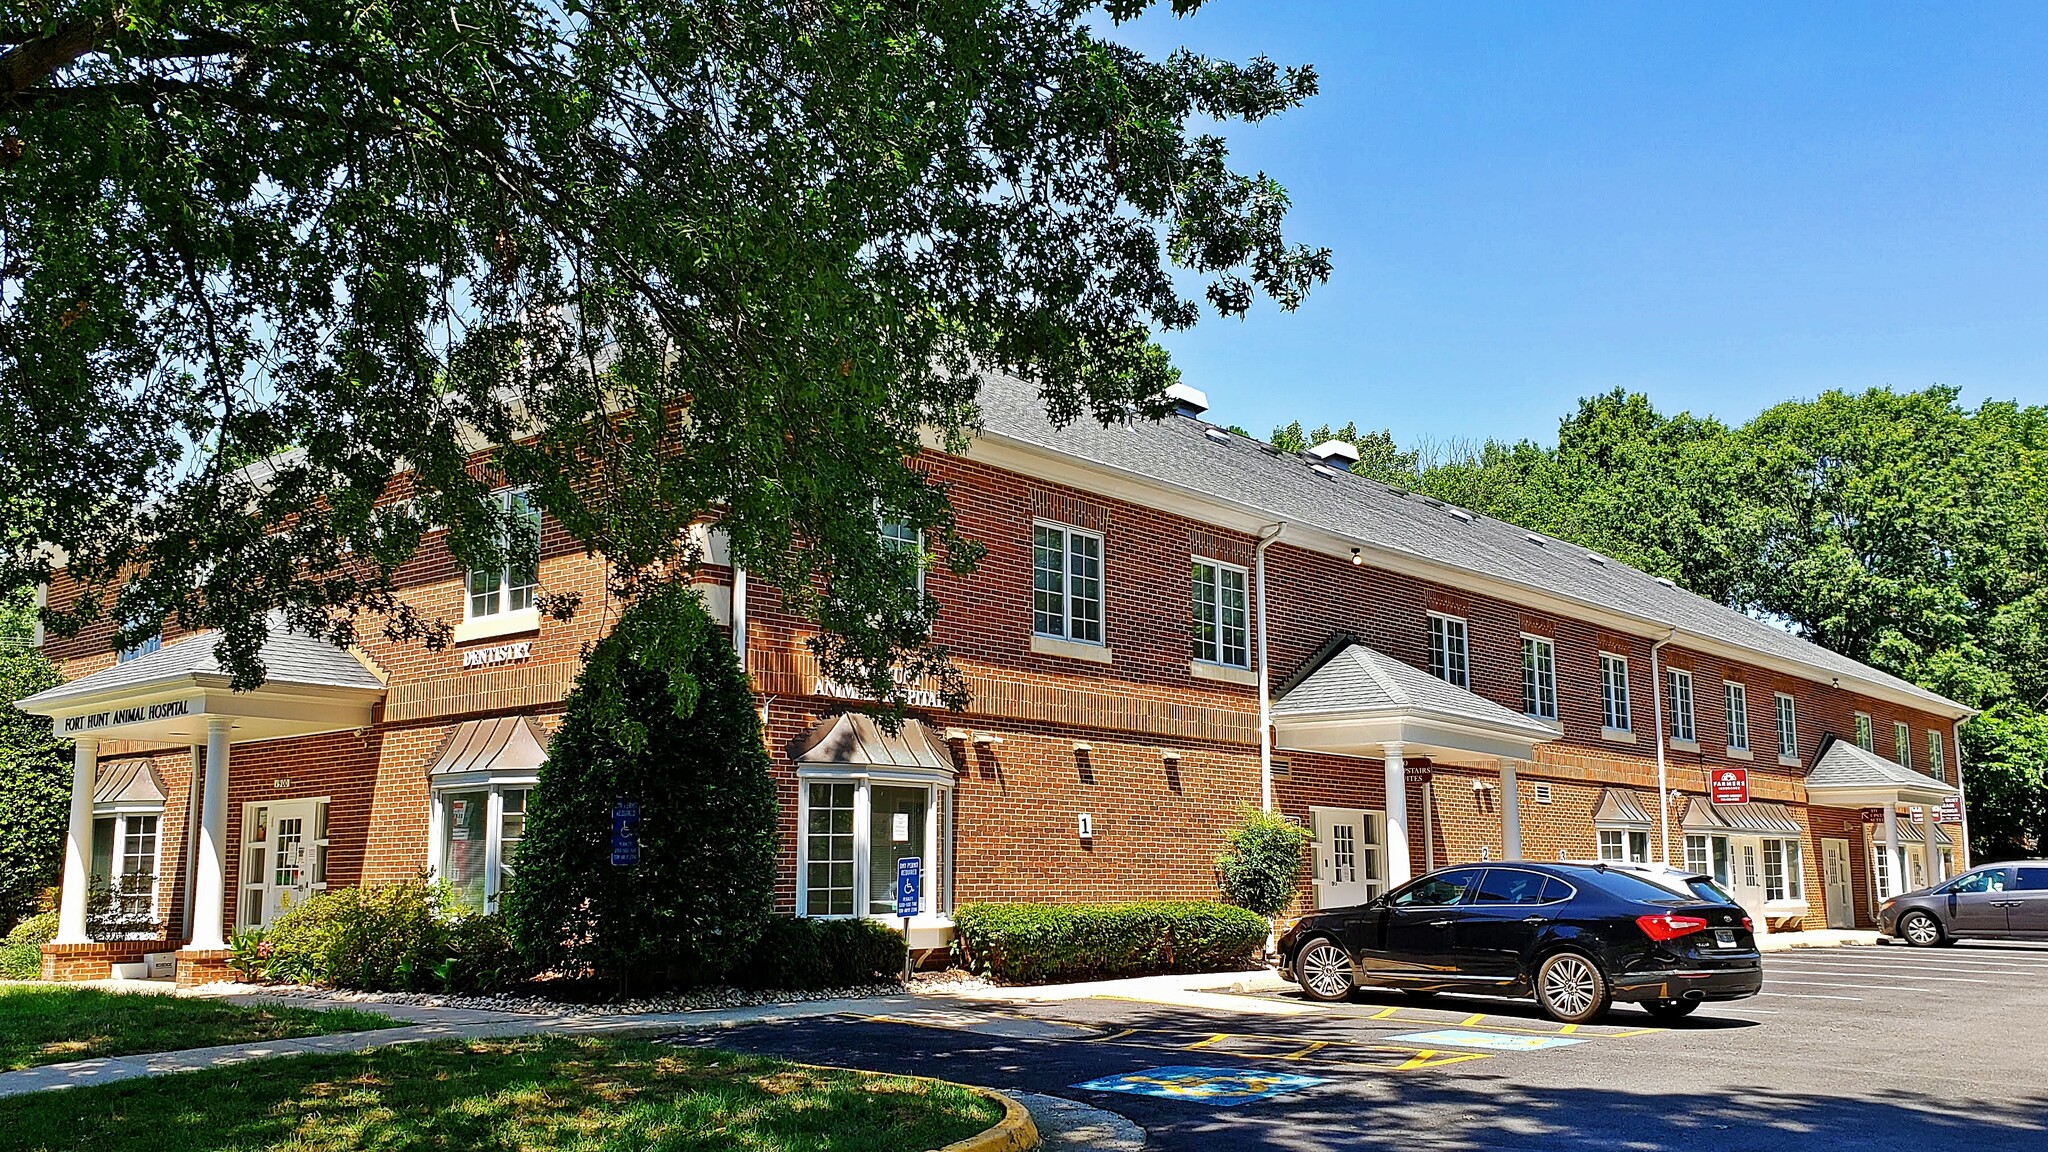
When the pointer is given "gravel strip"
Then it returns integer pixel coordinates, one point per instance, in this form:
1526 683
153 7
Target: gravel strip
689 1000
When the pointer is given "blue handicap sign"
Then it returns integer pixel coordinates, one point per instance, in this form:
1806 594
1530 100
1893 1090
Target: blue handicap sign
909 885
1216 1087
625 833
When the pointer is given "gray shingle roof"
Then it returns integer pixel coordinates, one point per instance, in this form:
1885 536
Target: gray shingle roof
1183 452
288 657
1844 764
1357 678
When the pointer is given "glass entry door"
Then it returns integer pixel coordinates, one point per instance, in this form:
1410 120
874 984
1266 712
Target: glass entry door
284 857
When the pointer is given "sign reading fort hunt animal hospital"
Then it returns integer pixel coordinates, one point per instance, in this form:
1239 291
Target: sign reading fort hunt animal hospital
115 717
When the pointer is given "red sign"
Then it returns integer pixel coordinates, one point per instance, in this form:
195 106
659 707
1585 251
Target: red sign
1951 811
1873 815
1729 786
1418 770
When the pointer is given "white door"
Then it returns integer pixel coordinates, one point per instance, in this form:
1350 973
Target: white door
1840 892
279 852
1347 856
1748 880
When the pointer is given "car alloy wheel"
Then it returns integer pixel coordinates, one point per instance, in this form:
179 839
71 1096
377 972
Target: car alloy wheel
1324 970
1571 989
1920 930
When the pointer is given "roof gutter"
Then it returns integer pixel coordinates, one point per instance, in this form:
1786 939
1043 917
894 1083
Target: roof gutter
1266 538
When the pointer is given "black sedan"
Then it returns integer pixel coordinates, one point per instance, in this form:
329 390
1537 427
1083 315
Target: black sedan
1577 937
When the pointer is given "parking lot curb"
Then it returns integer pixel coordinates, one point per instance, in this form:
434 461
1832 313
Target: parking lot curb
1013 1133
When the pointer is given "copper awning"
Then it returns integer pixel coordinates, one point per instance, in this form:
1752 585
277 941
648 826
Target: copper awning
502 745
855 739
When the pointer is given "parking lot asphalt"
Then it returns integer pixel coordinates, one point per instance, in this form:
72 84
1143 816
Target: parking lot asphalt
1846 1048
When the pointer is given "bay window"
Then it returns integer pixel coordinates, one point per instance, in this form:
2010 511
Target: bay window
857 827
477 828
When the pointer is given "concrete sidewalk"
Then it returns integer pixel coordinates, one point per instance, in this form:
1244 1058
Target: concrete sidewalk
1818 938
420 1023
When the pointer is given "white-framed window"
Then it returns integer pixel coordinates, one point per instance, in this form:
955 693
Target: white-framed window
1449 658
1864 739
1678 686
1788 727
1696 854
901 538
1902 744
1935 755
1708 855
1614 692
1784 875
856 828
1222 624
1624 844
509 587
1539 677
1738 715
1066 583
477 825
125 847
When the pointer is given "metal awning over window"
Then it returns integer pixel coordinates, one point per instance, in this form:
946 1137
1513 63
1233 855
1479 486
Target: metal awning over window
501 746
1909 833
854 739
1755 818
128 786
1620 808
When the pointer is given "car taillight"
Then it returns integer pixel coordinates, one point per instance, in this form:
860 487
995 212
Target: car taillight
1747 926
1668 926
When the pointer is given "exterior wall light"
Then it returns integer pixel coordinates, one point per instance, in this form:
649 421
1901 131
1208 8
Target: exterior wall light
955 735
1169 755
1356 557
1083 746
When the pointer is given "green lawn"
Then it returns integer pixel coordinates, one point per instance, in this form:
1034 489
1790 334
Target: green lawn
544 1094
52 1024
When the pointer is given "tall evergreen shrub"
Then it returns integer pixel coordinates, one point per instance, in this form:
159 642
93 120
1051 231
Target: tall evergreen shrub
661 716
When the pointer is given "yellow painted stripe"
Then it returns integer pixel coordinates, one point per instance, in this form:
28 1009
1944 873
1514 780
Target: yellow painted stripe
1567 1029
1313 1047
1430 1058
1383 1013
1216 1039
1474 1018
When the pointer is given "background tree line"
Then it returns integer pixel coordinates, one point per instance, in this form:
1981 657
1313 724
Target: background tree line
1902 529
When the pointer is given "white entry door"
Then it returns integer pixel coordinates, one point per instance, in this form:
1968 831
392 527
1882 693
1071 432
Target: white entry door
1748 880
1840 892
1349 861
282 861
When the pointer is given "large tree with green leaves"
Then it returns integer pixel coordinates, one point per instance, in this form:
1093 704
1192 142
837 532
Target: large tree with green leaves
661 259
35 773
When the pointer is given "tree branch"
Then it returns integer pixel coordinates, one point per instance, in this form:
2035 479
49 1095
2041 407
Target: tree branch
30 62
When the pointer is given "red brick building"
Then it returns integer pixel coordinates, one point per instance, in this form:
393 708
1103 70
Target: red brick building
1172 622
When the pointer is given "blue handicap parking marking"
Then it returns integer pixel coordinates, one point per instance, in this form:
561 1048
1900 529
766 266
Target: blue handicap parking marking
1497 1041
1220 1087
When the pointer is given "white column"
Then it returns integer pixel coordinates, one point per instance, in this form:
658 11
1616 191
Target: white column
1398 870
210 879
1510 813
194 794
78 844
1892 880
1930 852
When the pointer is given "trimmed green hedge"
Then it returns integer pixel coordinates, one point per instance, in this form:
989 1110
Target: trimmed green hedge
796 953
21 954
1043 942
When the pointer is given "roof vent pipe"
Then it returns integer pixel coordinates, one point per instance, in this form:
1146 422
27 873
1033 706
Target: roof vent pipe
1341 450
1187 401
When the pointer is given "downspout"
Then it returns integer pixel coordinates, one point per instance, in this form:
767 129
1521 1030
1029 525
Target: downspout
1266 539
1663 781
1963 860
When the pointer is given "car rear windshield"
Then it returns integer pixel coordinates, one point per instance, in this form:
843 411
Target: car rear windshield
1632 887
1706 889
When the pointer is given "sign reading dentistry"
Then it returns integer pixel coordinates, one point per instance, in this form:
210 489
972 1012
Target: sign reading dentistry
497 654
117 717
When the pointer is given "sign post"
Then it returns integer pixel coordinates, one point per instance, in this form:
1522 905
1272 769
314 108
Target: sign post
625 833
909 890
1730 786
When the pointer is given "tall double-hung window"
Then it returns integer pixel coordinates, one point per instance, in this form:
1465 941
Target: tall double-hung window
1614 692
1738 716
903 539
1864 739
1222 625
1784 876
509 585
1902 744
1066 583
1539 677
1678 687
1449 659
1934 755
1788 728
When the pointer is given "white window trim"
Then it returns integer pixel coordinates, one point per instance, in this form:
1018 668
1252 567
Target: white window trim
1865 732
494 785
1785 707
1674 679
1464 649
503 499
1902 743
1730 689
120 815
1543 644
1221 647
1624 709
241 887
1625 831
1792 876
935 901
917 543
1067 585
1937 755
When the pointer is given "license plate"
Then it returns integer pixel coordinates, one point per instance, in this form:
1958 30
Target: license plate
1724 937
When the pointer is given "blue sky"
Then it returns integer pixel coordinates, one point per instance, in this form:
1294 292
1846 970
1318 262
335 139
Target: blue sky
1722 206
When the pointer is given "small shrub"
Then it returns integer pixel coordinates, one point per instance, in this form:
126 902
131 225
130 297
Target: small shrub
1261 864
21 954
389 938
249 954
481 955
1040 942
802 954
